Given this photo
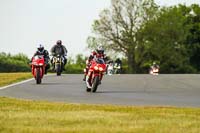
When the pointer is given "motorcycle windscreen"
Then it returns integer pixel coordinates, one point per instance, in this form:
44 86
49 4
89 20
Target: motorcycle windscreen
100 61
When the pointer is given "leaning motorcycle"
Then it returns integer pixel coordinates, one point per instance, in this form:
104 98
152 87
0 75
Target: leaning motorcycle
38 68
58 62
96 71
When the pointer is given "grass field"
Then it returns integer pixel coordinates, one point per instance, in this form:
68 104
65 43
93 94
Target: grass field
8 78
41 117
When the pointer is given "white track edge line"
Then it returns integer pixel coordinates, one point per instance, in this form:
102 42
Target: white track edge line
4 87
24 81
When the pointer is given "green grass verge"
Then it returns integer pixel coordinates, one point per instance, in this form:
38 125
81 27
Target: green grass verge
41 117
9 78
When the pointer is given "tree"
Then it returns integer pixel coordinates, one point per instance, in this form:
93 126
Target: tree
193 39
117 28
164 39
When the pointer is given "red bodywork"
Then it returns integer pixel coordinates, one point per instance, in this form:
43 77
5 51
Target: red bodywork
97 68
38 67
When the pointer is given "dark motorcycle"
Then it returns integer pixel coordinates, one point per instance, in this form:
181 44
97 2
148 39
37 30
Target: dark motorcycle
117 68
58 62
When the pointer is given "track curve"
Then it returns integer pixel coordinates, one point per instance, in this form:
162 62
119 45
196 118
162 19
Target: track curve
162 90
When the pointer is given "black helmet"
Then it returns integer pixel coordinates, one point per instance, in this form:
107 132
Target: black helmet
100 50
59 42
40 48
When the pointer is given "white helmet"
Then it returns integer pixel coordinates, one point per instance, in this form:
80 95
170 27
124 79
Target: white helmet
100 50
40 48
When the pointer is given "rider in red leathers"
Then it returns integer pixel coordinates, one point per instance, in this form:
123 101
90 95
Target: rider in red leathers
99 53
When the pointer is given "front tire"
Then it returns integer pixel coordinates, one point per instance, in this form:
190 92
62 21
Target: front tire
38 78
95 84
88 89
58 69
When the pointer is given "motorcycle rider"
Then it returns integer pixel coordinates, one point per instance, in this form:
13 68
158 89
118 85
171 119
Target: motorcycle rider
154 66
118 63
59 49
99 53
45 53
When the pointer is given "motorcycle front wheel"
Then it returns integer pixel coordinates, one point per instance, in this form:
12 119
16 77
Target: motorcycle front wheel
38 78
58 69
95 84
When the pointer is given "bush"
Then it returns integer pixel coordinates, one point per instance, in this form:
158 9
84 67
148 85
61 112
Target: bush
16 63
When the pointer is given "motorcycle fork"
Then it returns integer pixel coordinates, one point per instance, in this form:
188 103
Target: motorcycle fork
35 70
96 74
40 69
100 75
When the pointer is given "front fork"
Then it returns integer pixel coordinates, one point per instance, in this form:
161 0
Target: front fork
91 75
41 69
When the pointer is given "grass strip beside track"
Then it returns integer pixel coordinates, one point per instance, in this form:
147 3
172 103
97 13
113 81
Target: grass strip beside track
37 116
9 78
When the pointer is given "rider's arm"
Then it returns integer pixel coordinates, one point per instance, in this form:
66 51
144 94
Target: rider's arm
90 57
46 54
65 50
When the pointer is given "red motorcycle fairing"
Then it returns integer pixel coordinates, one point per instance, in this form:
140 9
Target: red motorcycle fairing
38 67
97 69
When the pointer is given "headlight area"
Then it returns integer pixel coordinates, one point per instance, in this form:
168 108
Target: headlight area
96 68
100 69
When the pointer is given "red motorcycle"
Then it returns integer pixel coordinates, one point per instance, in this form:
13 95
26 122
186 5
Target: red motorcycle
38 68
96 71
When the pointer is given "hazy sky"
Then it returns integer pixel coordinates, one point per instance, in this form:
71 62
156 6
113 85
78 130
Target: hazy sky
26 23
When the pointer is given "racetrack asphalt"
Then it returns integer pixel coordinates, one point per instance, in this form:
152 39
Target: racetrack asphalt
182 90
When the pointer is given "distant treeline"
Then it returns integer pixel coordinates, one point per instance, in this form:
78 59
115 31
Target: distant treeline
20 63
14 63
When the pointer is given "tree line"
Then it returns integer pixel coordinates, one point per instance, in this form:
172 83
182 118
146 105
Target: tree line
14 63
144 32
20 63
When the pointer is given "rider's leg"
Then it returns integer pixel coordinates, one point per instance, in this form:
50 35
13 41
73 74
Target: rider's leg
85 73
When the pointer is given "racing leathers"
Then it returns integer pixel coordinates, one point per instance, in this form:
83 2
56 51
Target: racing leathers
93 55
59 50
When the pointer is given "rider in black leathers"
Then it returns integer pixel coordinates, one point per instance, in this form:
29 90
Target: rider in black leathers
59 49
118 63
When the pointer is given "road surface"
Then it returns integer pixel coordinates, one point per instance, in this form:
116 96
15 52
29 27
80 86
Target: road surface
145 90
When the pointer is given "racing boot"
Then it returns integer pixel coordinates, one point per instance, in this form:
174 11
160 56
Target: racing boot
87 82
84 78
